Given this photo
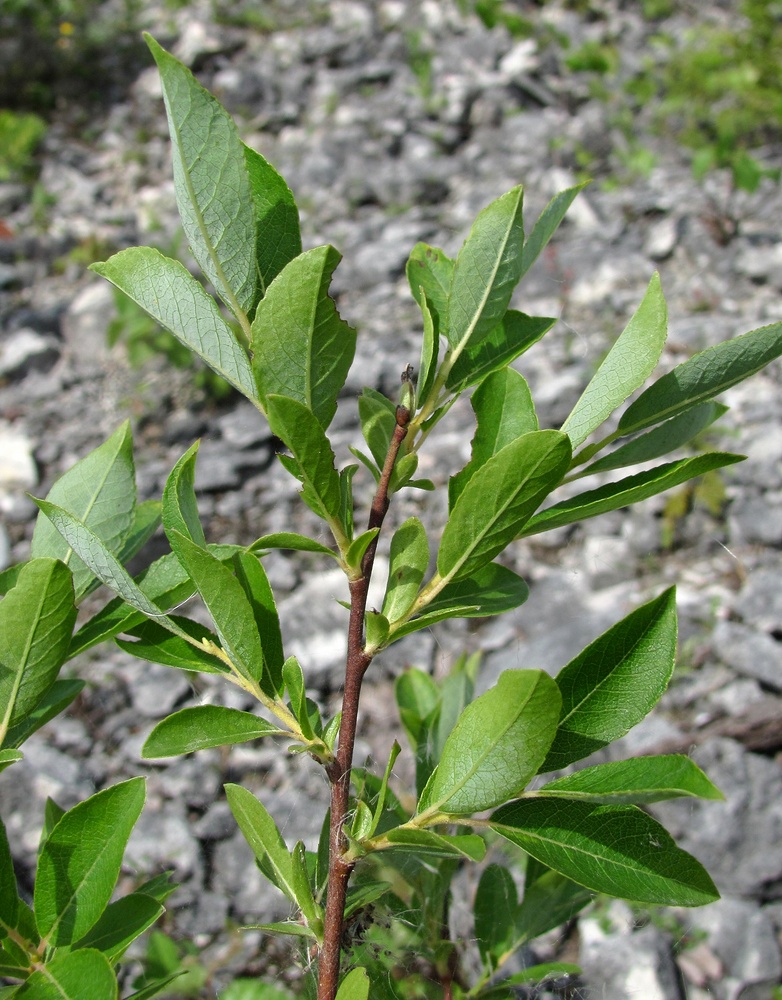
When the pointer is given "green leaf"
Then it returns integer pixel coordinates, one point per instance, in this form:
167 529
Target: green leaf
469 846
660 440
180 508
409 560
628 364
300 430
514 335
56 700
155 988
172 296
120 924
204 726
227 604
497 746
429 272
78 975
159 887
618 850
289 927
291 540
490 590
355 986
9 893
276 218
547 224
615 682
627 491
430 351
103 564
358 548
36 621
377 628
499 500
378 419
146 521
155 643
261 833
80 862
504 411
383 790
486 271
99 490
635 782
703 376
302 349
212 184
9 757
252 576
310 910
296 687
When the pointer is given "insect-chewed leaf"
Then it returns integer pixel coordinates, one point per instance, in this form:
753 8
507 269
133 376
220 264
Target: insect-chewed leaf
615 682
99 490
36 621
276 217
84 852
204 726
636 781
626 367
486 271
619 850
497 746
499 499
171 295
302 349
703 377
212 183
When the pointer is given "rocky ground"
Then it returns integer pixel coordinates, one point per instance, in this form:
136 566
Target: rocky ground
395 122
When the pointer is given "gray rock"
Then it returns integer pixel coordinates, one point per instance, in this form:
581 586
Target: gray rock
759 602
757 520
24 351
85 323
157 690
162 840
749 652
313 627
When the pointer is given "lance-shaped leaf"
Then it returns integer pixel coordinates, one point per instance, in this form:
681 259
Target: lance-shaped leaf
212 184
99 490
430 351
204 726
497 746
296 687
547 224
636 781
92 551
499 500
80 861
626 367
157 644
486 271
154 988
301 347
261 833
408 561
9 893
172 296
85 974
227 603
627 491
121 923
504 411
514 335
300 430
703 376
660 440
469 846
429 272
291 540
36 621
378 419
490 590
615 682
9 757
617 850
276 218
252 576
56 700
146 521
355 986
180 507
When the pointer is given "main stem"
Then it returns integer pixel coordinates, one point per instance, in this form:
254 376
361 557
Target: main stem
339 771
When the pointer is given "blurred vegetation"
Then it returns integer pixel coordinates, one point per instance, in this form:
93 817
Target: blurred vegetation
20 135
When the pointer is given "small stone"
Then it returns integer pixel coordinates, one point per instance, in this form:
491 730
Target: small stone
158 690
25 351
749 652
744 939
661 239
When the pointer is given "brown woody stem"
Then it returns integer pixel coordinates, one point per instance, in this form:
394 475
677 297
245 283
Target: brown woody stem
338 772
